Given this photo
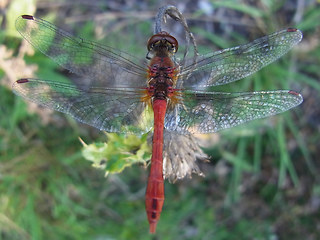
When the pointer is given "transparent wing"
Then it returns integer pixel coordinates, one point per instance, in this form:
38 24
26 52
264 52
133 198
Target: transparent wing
235 63
103 65
207 112
109 109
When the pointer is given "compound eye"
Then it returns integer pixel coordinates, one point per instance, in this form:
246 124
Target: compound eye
173 43
162 37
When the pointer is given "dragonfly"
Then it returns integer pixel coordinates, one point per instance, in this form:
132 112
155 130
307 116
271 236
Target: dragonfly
125 94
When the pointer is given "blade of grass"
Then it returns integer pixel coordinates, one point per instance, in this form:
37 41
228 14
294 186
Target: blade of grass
302 145
247 9
311 20
31 219
239 165
257 153
285 161
314 83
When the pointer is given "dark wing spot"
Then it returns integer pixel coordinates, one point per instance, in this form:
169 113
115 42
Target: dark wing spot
294 93
291 30
29 17
23 80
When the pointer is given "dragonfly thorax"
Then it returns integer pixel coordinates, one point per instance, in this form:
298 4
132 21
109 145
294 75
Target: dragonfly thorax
160 88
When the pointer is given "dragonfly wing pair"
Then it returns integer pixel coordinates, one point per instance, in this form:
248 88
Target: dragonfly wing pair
108 97
207 112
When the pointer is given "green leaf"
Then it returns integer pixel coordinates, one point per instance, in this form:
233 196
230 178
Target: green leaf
118 153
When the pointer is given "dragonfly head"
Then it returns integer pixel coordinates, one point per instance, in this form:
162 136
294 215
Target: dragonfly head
162 43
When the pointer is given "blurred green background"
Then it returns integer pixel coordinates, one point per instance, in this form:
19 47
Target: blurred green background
262 180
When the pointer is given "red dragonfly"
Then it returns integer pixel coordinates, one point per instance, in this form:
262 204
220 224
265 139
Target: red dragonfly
121 91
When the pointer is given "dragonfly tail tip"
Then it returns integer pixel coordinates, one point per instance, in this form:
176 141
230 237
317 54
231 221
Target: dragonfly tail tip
153 226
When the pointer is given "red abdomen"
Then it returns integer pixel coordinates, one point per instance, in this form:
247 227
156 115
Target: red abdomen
155 188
